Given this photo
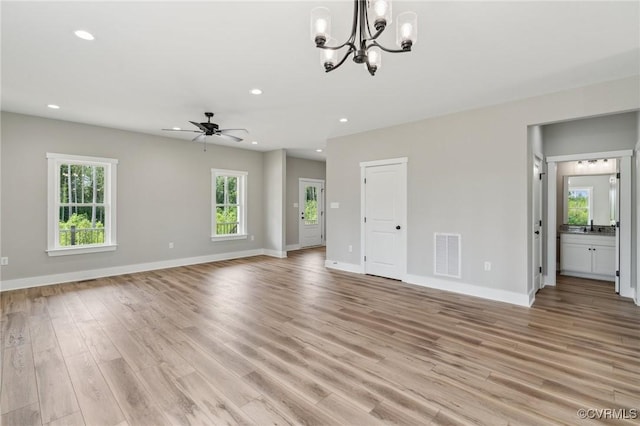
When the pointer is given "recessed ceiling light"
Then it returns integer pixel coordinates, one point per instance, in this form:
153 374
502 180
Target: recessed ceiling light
256 92
53 106
176 128
344 120
318 150
254 143
84 35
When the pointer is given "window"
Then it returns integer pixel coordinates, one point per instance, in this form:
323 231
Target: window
82 200
229 217
579 206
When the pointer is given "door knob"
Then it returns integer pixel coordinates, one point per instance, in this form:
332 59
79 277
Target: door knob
537 232
398 227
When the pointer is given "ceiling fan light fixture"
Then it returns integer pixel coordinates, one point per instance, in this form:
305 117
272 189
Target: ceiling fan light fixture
370 19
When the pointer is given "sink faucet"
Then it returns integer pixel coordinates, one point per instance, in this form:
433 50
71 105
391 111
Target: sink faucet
591 225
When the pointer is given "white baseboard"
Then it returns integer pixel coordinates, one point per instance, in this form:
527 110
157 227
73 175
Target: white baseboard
43 280
275 253
532 296
346 267
292 247
521 299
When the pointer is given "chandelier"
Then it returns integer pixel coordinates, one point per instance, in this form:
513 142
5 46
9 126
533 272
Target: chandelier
363 42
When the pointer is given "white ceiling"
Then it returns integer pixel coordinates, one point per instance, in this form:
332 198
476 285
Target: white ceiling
160 64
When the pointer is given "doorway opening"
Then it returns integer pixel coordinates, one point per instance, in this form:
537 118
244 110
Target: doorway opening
589 218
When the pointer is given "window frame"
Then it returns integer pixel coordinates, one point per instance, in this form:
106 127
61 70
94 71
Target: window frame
53 204
241 188
589 191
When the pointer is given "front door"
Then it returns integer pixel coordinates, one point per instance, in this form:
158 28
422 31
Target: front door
385 220
311 212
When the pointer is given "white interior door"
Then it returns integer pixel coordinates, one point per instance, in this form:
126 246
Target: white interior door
385 220
311 223
537 224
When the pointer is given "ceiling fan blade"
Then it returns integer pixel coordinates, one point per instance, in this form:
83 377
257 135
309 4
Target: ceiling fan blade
230 130
197 137
229 137
181 130
199 126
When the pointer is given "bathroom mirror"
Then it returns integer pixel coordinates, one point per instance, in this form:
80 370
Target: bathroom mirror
590 197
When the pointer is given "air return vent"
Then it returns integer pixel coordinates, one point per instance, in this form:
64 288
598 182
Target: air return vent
447 255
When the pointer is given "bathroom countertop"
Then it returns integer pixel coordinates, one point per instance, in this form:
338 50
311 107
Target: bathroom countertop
586 230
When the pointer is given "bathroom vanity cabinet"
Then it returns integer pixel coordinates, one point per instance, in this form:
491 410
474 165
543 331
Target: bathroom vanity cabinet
588 256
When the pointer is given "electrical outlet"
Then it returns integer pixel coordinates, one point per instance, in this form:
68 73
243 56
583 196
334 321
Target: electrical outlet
487 266
171 245
253 238
350 248
4 261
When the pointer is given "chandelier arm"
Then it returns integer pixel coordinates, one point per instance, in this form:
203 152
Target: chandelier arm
364 24
344 58
366 21
375 43
376 35
346 43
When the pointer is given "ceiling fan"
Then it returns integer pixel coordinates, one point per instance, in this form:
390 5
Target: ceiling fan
210 129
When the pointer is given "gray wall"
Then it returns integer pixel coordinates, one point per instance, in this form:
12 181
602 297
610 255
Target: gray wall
299 168
468 173
275 164
164 195
597 134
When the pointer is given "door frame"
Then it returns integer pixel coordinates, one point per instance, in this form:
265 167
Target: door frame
402 161
537 160
320 204
624 157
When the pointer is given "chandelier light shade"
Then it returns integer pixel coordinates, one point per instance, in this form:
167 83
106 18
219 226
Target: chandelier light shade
370 18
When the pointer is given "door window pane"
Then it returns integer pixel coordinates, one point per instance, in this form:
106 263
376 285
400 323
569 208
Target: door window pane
311 206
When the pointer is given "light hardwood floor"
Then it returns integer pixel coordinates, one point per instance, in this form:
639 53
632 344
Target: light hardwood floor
286 341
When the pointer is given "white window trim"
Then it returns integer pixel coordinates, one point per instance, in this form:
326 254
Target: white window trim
110 164
242 218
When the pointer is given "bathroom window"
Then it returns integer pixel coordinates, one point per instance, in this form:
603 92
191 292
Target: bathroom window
579 206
